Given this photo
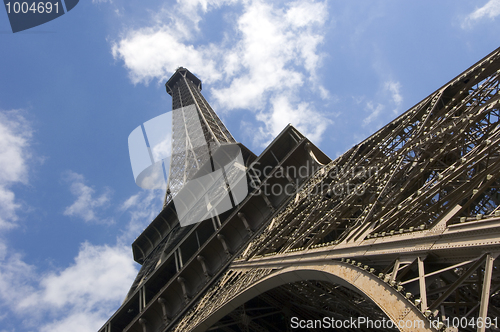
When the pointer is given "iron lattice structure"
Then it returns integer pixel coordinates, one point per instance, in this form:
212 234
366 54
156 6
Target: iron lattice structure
187 156
404 226
197 133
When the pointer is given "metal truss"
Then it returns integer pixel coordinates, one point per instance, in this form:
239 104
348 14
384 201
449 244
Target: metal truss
188 157
404 226
411 214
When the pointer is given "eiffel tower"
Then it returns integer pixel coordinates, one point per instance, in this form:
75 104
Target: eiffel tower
404 228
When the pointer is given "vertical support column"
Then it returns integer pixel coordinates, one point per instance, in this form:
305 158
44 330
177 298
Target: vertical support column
421 283
144 324
203 263
142 298
214 224
241 215
219 223
178 259
163 304
182 281
485 294
222 240
394 271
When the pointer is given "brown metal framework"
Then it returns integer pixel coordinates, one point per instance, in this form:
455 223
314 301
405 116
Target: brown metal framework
403 226
416 205
187 158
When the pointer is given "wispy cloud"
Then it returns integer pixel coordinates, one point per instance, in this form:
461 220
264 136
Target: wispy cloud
16 278
393 88
142 208
302 115
99 274
373 110
268 56
274 58
86 206
151 53
15 135
389 97
82 296
490 10
275 52
78 298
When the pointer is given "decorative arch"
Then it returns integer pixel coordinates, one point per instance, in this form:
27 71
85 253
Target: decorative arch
388 299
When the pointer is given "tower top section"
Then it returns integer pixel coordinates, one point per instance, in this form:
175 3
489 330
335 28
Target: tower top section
197 131
180 73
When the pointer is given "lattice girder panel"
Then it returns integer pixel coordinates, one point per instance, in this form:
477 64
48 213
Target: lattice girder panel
452 290
437 166
425 156
191 147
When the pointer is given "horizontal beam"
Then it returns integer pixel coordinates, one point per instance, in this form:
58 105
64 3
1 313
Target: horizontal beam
476 240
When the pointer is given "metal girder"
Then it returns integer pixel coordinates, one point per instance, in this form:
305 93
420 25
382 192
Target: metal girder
426 184
408 221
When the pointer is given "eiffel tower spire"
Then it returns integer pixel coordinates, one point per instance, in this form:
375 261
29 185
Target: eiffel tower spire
191 147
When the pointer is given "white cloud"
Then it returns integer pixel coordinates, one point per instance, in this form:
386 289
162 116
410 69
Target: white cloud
374 112
189 10
77 322
390 97
307 120
142 208
85 205
268 55
99 275
83 295
490 10
15 278
79 298
276 53
394 89
156 53
15 135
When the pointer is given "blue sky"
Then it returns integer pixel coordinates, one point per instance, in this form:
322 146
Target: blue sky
73 89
